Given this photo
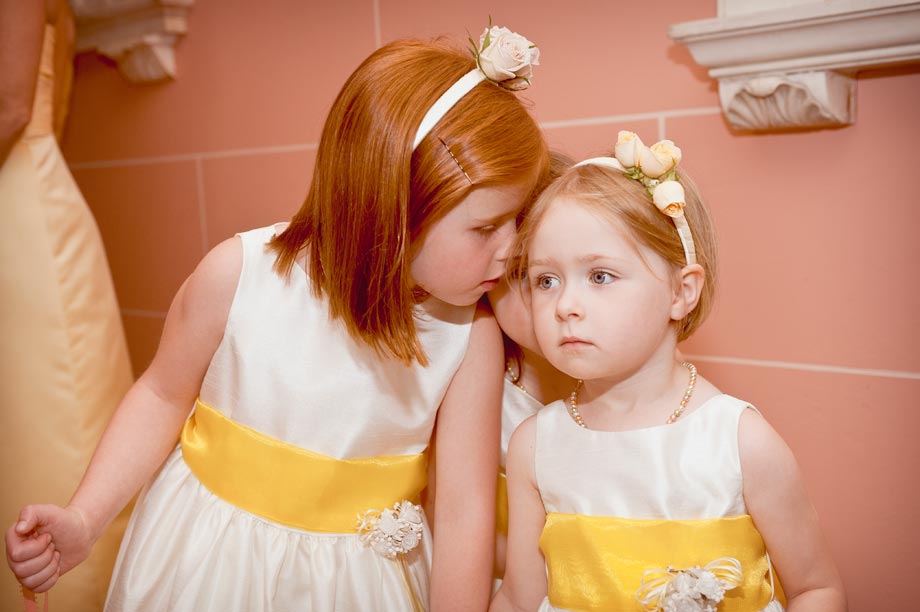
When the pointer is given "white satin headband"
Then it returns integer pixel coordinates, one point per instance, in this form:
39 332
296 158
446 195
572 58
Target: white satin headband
447 100
502 56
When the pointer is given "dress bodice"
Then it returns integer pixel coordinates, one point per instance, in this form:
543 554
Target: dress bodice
686 470
289 371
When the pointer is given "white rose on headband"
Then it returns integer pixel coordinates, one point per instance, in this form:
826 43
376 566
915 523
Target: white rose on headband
669 197
659 159
506 57
627 148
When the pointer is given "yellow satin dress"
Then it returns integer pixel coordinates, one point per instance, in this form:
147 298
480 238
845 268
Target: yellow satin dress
64 363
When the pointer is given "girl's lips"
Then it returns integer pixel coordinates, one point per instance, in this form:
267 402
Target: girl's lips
573 342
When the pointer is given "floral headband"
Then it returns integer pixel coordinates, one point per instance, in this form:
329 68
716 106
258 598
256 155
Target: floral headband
502 56
656 168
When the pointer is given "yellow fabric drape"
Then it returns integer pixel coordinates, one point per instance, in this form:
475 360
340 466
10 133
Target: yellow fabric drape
596 563
291 485
63 361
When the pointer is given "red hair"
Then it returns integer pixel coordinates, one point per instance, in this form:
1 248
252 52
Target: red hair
372 197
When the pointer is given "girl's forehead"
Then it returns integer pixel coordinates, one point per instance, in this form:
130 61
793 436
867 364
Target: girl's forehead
485 203
572 229
571 217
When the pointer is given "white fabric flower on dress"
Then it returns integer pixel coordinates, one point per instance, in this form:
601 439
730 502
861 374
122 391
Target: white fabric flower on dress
695 589
391 531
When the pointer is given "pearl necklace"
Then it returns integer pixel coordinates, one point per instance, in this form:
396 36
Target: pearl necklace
515 378
688 393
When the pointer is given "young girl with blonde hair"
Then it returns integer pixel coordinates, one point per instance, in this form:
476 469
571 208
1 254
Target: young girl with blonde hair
319 358
648 489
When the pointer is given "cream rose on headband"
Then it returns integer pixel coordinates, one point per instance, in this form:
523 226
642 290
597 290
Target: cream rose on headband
660 158
506 58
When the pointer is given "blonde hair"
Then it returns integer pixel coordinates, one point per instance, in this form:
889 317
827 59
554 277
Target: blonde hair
627 203
372 196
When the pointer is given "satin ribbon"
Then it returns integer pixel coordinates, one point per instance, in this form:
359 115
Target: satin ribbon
597 563
288 484
654 586
30 601
501 505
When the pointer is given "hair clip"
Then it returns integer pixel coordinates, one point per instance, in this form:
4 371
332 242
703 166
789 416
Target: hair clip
456 161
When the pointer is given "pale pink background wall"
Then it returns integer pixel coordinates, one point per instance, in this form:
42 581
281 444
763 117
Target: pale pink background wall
817 316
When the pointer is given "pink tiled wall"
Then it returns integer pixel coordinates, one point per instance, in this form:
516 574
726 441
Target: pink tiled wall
817 315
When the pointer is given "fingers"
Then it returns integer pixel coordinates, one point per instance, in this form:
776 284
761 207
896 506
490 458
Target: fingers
47 584
32 561
19 549
45 578
28 520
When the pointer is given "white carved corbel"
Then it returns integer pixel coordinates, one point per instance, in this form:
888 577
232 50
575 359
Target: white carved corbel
140 35
799 100
785 64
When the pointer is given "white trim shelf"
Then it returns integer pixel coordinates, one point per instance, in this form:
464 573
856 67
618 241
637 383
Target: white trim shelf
794 66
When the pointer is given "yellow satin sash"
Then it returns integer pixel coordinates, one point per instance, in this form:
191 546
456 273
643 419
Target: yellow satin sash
291 485
501 505
596 563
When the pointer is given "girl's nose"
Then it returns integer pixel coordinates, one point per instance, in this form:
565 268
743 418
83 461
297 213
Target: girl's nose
568 305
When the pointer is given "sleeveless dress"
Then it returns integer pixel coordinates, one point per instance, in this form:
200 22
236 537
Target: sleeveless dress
64 361
517 405
620 504
298 429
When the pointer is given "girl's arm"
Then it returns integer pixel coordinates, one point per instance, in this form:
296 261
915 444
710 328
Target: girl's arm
142 432
21 33
467 442
524 584
775 496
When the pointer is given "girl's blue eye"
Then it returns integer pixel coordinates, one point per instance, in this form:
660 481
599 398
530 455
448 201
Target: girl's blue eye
600 277
546 282
487 229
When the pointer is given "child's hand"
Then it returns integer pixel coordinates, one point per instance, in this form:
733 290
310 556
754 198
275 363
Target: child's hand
45 543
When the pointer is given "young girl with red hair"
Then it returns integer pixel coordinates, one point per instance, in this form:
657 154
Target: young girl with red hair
318 360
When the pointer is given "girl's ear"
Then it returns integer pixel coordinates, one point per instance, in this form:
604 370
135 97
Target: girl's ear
687 290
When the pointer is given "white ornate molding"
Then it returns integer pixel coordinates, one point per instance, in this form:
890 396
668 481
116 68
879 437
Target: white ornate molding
792 63
140 35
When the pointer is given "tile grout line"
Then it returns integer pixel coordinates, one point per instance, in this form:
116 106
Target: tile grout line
202 208
658 115
806 367
184 157
378 37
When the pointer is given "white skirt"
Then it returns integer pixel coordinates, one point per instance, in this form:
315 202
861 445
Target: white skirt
187 550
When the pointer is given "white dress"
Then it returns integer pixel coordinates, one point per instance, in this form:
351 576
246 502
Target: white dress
284 369
517 405
687 470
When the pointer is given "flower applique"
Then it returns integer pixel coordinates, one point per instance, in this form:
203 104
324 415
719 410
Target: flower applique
694 589
391 531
